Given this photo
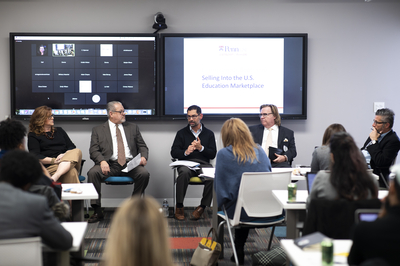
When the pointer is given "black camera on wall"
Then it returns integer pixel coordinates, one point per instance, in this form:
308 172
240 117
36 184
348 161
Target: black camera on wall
159 22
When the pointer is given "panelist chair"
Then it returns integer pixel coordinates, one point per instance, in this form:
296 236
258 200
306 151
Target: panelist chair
21 251
255 197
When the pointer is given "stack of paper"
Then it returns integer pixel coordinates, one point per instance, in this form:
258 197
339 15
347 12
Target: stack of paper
191 165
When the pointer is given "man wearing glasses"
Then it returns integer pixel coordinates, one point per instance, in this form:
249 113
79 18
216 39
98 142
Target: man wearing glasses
381 147
112 145
277 141
193 143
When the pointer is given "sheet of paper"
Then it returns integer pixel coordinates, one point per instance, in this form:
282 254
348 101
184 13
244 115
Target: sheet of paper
208 172
189 164
132 164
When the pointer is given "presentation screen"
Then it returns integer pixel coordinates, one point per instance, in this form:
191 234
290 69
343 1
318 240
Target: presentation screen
77 74
233 74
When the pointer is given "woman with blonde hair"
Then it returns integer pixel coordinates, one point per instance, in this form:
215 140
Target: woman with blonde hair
138 235
240 154
53 147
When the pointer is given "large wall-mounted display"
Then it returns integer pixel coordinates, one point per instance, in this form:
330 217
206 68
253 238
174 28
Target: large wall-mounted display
158 76
233 74
77 74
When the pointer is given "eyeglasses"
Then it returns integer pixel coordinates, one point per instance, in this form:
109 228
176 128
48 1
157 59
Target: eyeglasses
265 114
123 112
50 117
192 116
378 123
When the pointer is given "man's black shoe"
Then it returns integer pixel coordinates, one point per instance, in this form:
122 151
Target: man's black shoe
95 218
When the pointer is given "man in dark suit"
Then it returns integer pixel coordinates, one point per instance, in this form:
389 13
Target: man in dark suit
194 142
26 214
270 133
381 147
112 145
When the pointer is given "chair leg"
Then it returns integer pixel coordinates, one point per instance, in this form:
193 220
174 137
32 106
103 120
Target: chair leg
220 233
231 237
271 237
174 191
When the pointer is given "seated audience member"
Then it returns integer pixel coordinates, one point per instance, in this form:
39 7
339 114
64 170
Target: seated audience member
240 154
348 177
53 147
270 134
380 239
138 235
12 137
25 214
381 147
321 157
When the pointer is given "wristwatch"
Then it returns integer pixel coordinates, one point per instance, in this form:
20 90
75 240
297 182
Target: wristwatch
373 141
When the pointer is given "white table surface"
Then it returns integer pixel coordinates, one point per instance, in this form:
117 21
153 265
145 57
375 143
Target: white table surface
302 195
303 172
88 191
298 257
77 230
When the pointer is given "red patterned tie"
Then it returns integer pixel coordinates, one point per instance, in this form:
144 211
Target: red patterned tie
121 148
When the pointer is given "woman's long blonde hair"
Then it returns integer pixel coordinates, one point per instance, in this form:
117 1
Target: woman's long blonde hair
38 119
236 133
138 235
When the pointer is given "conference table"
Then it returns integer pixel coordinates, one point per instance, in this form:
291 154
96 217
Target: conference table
77 194
77 230
294 210
299 257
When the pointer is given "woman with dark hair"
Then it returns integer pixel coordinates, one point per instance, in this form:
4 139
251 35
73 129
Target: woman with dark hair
321 157
53 147
348 177
240 154
380 239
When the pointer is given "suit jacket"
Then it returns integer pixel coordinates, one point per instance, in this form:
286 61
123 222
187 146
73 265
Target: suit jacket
101 146
383 153
24 214
284 134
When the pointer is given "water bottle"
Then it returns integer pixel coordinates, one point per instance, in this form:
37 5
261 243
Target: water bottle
165 207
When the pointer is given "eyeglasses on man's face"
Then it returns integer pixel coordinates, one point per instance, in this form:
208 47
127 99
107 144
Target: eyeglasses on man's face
122 112
378 123
265 114
192 116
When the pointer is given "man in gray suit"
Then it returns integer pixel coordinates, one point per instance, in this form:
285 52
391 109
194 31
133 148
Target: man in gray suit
111 155
26 214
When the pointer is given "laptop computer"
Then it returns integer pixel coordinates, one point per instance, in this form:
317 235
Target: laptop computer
366 215
310 176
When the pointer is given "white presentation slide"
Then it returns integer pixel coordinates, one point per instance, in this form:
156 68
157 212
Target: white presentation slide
217 70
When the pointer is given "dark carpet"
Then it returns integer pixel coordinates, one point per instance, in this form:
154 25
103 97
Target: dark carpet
96 236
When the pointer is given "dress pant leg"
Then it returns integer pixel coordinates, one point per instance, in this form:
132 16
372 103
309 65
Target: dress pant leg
95 176
182 182
207 193
141 177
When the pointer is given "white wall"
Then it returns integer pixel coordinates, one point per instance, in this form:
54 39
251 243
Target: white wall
353 58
